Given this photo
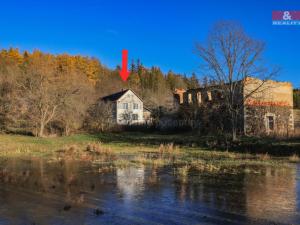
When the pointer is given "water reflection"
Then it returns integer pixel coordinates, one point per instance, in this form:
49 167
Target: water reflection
273 195
36 192
130 182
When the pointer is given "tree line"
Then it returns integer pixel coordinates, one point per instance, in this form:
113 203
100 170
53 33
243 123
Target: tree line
43 94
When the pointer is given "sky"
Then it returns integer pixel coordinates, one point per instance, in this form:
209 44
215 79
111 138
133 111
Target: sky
158 32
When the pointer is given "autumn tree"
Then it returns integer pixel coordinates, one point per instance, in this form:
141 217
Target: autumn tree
175 81
192 82
75 104
43 90
8 95
45 93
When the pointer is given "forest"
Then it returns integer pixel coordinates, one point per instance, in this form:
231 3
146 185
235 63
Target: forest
55 94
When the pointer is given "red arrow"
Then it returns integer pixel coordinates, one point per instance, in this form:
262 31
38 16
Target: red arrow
124 73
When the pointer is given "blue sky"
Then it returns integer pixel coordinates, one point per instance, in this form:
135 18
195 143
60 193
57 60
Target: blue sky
159 32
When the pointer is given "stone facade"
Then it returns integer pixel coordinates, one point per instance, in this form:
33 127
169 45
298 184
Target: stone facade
270 109
267 106
178 95
297 121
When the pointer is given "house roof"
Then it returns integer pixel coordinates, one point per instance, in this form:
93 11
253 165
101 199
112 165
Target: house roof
115 96
118 95
147 109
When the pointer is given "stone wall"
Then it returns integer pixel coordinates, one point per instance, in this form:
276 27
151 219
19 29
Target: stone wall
297 121
268 93
270 109
178 95
257 120
267 105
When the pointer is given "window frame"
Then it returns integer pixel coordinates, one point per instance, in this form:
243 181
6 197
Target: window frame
135 106
135 116
125 104
271 123
268 120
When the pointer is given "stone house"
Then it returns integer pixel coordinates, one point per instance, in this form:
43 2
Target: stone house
128 108
269 110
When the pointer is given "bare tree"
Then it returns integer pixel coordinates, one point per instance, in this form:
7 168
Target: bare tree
230 57
127 116
100 116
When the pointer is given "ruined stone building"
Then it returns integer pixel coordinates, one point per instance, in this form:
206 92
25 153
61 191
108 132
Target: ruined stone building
267 106
297 120
297 111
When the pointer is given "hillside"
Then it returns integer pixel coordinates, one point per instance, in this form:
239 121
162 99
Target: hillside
41 91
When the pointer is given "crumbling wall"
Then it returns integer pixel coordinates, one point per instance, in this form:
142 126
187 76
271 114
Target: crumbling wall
268 92
256 120
297 121
269 111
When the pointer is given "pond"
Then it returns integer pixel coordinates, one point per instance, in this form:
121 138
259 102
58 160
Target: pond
71 192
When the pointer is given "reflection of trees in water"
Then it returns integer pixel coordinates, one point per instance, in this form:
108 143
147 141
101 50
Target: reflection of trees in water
224 192
38 192
273 195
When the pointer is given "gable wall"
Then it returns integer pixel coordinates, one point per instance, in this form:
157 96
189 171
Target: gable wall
130 98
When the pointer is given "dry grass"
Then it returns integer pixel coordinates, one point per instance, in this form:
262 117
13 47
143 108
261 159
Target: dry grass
183 173
123 154
201 166
92 152
98 148
294 158
263 157
165 154
168 150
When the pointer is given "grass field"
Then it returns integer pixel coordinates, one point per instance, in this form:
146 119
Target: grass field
131 140
185 151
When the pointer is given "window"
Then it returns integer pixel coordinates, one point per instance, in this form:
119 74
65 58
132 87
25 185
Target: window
135 116
199 97
125 105
190 98
271 122
126 116
135 106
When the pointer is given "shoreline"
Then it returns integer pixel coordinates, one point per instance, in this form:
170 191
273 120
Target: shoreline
122 153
